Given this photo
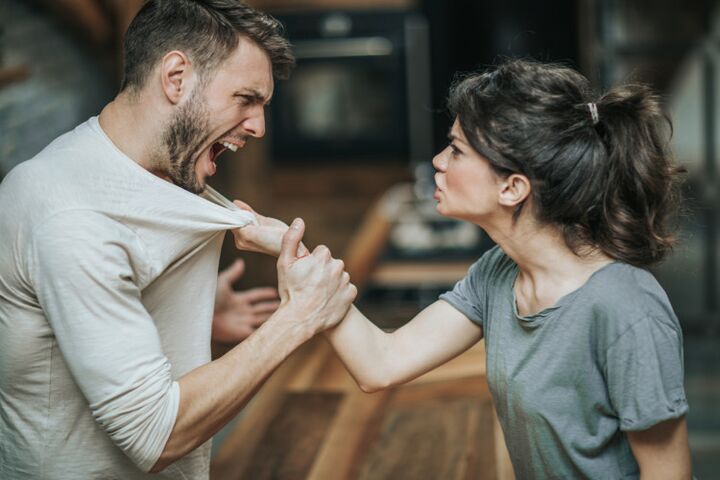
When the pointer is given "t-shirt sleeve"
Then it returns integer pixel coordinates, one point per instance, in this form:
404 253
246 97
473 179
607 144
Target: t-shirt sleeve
468 294
85 269
644 370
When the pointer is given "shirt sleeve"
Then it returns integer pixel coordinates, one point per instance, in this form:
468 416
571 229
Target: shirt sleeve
468 294
85 269
644 371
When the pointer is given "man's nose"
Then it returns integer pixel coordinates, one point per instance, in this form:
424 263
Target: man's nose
255 123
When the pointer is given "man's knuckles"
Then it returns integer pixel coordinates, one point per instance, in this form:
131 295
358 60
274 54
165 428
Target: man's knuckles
322 252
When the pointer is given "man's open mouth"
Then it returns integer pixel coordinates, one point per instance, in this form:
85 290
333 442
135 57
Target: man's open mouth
229 146
217 149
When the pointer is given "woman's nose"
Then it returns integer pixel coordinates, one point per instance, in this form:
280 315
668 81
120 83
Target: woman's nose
439 162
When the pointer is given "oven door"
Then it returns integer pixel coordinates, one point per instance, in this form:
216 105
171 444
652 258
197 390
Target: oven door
346 100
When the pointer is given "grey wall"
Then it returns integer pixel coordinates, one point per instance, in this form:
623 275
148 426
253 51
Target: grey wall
692 275
66 85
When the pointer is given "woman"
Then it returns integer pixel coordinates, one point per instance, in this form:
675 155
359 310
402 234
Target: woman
584 352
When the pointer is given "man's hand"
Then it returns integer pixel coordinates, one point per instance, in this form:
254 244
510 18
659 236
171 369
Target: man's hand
314 289
315 293
265 237
238 314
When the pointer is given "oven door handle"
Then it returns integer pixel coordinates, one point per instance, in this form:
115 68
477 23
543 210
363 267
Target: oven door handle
343 48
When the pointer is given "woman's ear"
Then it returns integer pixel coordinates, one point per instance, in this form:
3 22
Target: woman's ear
175 73
514 190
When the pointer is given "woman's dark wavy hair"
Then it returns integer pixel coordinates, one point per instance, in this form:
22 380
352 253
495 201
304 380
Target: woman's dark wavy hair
610 185
207 30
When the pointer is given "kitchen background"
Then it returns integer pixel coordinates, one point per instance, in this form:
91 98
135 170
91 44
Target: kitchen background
351 134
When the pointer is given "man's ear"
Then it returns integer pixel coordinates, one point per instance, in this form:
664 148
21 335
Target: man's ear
175 75
514 190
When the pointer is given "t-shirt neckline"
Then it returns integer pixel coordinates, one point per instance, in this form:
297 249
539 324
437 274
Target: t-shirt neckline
94 123
535 319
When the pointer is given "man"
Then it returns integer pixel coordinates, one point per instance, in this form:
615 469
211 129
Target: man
110 244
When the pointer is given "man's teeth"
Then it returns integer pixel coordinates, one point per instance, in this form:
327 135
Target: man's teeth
230 146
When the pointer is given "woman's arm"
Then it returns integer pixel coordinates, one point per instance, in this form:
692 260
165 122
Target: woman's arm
662 451
377 359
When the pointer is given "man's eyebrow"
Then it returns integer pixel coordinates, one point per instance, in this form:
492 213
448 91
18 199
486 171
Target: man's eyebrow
255 95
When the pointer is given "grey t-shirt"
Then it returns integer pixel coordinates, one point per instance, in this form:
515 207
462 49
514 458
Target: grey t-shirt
569 381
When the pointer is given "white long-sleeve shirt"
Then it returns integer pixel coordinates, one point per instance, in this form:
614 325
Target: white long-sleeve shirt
107 285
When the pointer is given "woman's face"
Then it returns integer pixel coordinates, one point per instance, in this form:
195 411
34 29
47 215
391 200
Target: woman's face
467 187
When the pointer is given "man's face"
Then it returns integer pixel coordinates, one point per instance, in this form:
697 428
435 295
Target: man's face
220 113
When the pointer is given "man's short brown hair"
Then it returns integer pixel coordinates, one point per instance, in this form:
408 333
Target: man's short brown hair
206 30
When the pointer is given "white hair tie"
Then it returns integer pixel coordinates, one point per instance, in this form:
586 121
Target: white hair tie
594 113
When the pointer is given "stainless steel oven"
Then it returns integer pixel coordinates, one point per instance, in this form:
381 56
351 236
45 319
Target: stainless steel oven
360 90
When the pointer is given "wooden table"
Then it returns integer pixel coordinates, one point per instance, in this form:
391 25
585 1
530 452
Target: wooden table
311 421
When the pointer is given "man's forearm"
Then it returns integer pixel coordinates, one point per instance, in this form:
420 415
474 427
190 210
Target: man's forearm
315 293
213 394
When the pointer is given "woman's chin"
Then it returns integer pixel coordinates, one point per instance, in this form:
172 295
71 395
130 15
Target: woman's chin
440 208
445 212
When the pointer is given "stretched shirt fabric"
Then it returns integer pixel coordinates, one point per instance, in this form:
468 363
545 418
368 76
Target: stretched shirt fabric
568 382
107 285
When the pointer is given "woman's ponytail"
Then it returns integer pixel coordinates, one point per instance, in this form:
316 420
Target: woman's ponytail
641 190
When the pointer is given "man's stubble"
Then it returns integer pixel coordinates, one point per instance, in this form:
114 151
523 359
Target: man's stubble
183 138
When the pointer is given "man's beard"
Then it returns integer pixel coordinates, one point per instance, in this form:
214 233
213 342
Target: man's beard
183 138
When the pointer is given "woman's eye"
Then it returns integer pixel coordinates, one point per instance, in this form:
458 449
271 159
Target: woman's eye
454 150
